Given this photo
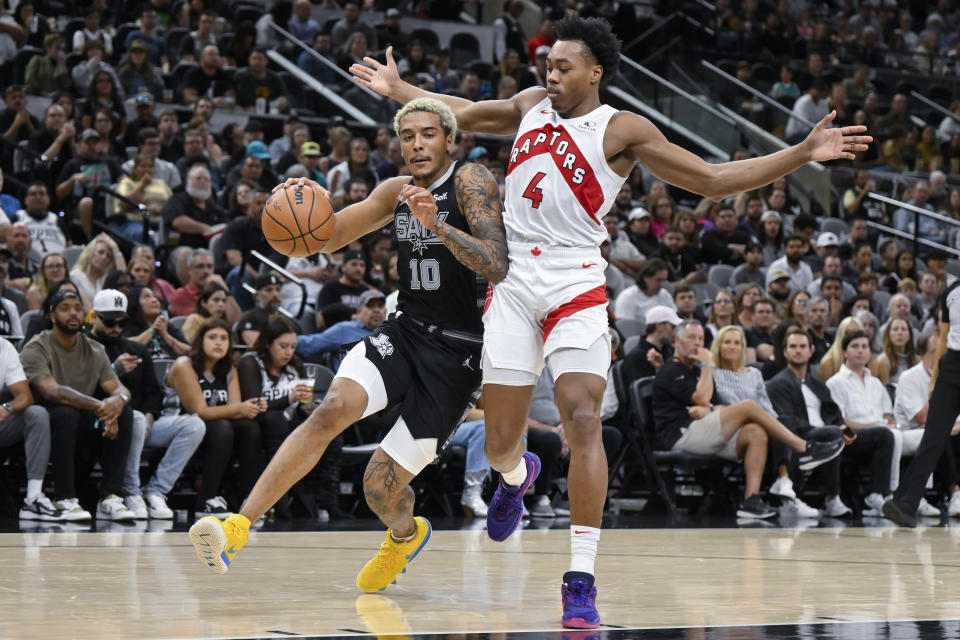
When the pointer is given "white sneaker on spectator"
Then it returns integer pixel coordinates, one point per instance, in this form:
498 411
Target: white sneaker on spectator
540 508
40 509
112 508
137 506
216 507
953 507
72 510
783 487
157 507
834 508
927 510
799 509
874 503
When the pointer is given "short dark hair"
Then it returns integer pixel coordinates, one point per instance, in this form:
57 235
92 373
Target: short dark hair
830 278
682 288
145 133
794 237
597 37
796 331
673 229
850 336
805 221
868 275
767 301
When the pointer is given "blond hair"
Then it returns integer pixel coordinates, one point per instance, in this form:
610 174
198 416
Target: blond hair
447 120
718 341
833 358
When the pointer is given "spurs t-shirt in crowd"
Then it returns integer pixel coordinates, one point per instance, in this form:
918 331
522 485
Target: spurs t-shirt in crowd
84 367
214 389
45 233
672 390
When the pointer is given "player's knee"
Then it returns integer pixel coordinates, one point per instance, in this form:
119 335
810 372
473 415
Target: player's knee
584 422
376 495
332 416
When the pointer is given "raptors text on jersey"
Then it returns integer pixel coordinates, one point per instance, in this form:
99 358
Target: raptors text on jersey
559 184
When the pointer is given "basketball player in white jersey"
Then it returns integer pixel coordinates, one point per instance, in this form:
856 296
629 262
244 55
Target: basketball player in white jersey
570 156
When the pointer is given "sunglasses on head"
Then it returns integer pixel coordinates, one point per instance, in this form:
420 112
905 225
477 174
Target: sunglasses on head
111 323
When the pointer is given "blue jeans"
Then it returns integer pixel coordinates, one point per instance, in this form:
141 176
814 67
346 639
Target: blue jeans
473 436
131 229
235 284
180 435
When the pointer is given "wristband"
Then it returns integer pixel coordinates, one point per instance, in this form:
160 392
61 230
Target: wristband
701 365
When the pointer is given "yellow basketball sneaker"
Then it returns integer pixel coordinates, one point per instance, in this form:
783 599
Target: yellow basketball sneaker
392 558
217 541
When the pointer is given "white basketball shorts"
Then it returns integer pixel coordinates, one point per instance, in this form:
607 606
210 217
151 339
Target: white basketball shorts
552 298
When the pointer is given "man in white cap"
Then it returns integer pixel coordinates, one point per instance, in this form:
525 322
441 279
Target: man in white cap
655 348
180 435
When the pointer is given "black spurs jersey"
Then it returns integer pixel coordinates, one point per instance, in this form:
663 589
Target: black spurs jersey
434 287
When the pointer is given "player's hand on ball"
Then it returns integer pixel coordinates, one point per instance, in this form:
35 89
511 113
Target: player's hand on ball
421 204
304 183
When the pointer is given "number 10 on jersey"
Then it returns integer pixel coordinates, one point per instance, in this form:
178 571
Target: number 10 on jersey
424 274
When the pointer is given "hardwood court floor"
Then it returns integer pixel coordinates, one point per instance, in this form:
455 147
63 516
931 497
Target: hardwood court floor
151 585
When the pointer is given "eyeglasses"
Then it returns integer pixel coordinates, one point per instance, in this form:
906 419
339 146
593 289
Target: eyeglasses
724 301
110 324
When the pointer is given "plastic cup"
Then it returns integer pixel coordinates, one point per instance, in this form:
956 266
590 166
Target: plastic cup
307 396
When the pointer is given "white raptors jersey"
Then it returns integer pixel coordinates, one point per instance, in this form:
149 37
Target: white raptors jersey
559 184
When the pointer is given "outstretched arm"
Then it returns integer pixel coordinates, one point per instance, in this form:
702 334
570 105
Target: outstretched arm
496 117
632 138
484 249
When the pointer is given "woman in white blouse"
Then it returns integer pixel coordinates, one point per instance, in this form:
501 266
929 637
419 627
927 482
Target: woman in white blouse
734 381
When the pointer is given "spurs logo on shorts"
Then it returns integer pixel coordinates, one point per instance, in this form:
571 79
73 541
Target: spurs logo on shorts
383 345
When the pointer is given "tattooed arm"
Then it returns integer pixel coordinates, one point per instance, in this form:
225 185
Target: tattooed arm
484 249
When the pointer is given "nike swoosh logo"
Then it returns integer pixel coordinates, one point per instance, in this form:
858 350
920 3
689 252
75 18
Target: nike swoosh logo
578 531
545 112
587 265
232 550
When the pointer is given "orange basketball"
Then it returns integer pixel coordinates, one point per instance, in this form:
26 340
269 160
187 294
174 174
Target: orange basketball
297 221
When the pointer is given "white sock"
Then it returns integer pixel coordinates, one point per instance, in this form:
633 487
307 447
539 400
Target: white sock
34 489
515 477
583 548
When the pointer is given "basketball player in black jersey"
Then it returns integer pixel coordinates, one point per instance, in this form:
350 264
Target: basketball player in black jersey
449 227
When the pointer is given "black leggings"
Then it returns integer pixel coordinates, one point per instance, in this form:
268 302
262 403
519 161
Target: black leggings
218 449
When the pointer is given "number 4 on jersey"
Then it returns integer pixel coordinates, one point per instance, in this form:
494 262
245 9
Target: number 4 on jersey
533 192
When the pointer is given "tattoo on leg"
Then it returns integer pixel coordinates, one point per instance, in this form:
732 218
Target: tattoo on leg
386 472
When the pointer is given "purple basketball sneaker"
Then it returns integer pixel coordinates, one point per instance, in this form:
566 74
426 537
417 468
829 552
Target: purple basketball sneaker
579 601
506 508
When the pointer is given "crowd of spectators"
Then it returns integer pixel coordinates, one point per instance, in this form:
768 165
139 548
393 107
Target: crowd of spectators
129 101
